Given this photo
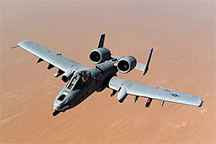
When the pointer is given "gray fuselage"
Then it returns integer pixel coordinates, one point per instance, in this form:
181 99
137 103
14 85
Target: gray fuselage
99 77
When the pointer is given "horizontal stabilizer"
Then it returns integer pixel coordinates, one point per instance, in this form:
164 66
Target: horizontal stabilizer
140 66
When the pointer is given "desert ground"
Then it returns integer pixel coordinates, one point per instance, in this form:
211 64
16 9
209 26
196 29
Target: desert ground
182 34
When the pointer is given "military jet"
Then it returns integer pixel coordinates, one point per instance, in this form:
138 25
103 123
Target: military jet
82 81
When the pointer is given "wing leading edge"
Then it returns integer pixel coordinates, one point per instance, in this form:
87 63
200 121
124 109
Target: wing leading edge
50 56
159 93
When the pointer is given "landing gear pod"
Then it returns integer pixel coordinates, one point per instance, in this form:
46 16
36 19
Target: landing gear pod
122 94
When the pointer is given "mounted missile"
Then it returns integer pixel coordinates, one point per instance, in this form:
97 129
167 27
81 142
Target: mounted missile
162 103
135 99
148 102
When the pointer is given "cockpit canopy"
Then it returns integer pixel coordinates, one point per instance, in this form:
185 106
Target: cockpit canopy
78 80
62 97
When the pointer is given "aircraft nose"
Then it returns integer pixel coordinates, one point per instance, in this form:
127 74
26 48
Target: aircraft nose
56 106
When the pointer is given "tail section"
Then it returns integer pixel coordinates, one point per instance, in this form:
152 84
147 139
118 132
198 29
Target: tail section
101 42
148 62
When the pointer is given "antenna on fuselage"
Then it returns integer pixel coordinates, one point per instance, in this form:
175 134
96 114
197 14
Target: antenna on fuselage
101 42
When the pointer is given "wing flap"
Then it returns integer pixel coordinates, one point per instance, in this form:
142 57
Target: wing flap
158 93
52 57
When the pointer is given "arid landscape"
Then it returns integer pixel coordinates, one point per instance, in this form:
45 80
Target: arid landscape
182 34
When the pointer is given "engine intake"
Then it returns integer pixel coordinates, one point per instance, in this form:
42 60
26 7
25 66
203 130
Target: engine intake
126 64
99 55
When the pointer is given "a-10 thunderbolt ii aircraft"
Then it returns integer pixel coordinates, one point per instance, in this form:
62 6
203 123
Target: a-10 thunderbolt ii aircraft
83 80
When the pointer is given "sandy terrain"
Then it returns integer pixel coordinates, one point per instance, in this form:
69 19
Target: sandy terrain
182 33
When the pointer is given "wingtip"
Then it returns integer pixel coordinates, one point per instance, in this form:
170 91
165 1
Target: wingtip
201 104
15 46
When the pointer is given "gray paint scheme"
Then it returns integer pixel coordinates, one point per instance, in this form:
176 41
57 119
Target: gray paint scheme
159 93
85 80
50 56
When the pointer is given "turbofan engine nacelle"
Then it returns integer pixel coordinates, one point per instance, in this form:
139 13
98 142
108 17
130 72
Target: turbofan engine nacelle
126 64
99 55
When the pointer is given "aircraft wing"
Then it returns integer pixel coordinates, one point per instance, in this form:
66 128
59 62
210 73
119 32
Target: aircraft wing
126 87
50 56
